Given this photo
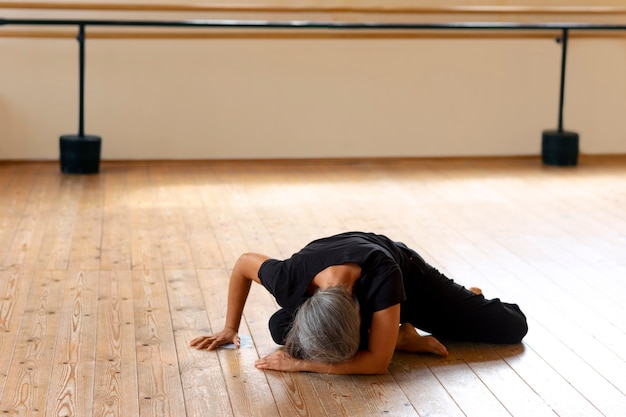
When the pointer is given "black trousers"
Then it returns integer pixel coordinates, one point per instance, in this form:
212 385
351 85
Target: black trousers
438 305
449 311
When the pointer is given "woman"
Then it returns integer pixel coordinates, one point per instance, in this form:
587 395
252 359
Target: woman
350 300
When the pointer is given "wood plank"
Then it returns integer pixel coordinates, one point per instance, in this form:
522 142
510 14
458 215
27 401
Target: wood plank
230 240
203 383
248 388
549 385
29 370
469 392
205 248
293 393
71 384
592 385
175 198
422 387
86 246
145 242
17 181
339 395
116 223
11 202
517 397
24 246
115 380
14 290
56 244
158 375
384 396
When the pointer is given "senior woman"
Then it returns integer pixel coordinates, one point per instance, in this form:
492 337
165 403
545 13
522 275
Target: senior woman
350 300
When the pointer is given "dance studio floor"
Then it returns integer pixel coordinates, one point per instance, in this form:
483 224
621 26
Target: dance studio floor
105 279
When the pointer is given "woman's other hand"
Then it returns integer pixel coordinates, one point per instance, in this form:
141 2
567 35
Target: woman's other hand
216 340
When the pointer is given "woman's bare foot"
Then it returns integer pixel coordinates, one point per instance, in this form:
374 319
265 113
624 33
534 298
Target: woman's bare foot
410 341
476 290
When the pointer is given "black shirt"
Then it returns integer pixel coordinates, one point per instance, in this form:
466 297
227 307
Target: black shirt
380 285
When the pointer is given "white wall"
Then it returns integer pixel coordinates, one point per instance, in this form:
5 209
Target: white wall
310 98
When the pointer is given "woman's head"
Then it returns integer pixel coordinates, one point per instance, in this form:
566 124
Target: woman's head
326 327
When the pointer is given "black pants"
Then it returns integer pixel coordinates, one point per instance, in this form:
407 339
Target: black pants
438 305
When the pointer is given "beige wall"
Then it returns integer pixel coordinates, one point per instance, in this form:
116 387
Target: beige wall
309 98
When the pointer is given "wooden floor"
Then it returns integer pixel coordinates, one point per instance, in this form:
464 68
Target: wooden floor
105 279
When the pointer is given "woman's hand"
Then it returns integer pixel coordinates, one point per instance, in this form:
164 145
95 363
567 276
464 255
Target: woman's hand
216 340
245 271
280 361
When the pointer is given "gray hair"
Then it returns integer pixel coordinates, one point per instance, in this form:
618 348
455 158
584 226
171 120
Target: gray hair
326 327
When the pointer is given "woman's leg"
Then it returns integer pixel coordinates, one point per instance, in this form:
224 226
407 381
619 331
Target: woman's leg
440 306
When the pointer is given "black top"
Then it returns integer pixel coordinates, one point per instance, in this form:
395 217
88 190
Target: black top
380 285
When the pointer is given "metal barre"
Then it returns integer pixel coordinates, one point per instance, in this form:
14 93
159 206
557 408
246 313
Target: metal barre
303 24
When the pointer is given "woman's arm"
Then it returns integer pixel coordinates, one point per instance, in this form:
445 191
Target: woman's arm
374 360
245 271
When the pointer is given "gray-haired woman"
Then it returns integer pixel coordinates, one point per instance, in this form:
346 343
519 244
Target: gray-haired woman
350 300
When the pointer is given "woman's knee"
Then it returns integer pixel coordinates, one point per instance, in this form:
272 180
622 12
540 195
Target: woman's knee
517 326
279 325
508 326
499 323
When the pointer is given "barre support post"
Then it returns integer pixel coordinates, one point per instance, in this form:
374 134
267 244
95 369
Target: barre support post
560 147
80 154
81 80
